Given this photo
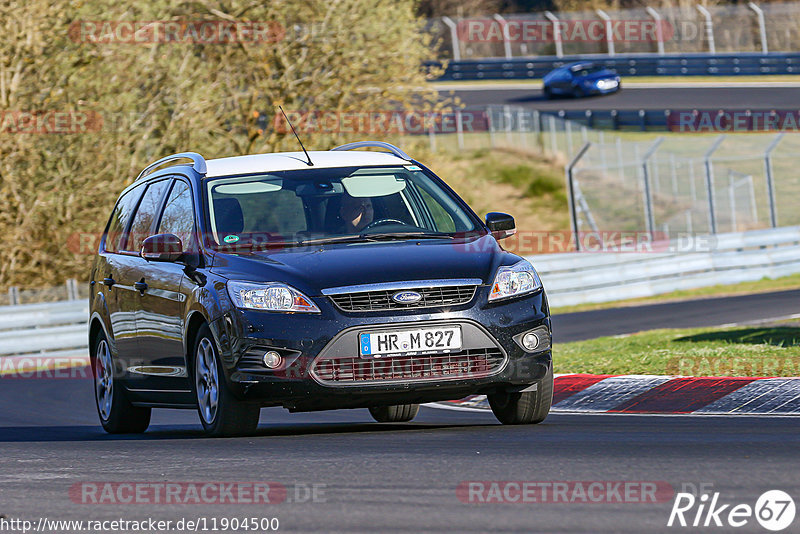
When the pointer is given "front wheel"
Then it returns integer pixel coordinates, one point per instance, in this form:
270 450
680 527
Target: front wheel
117 414
400 413
524 408
221 413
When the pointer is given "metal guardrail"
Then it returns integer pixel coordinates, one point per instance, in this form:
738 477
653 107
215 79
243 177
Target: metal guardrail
58 329
577 278
50 329
702 64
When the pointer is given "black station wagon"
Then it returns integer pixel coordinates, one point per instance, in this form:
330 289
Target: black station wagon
351 279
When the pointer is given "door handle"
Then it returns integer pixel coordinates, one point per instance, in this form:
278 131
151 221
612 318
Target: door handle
140 286
108 281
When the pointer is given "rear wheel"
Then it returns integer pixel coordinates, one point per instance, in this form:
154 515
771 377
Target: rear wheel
221 413
530 407
399 413
548 93
117 414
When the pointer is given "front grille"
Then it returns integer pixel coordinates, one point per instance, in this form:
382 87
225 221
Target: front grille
382 299
470 363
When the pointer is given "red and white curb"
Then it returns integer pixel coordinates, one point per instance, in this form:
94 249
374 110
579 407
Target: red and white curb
650 394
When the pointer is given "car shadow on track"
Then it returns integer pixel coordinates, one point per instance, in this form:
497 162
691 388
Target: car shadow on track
779 336
18 434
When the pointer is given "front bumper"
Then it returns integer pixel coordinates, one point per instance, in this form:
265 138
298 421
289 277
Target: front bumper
303 338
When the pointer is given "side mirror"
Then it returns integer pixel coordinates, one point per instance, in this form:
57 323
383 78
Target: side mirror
500 224
162 247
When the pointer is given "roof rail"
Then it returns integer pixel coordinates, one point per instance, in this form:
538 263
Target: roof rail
375 144
198 163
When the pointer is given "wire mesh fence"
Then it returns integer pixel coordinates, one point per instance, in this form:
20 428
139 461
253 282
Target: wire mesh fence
670 185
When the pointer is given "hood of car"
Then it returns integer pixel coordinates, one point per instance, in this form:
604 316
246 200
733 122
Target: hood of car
314 268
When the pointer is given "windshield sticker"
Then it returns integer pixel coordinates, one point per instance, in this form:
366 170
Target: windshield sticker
231 238
413 168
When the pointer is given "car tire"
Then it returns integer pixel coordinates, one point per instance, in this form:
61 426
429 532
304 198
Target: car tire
221 413
578 92
548 93
524 408
117 414
400 413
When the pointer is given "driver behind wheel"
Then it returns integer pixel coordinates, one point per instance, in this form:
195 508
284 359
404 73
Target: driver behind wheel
356 213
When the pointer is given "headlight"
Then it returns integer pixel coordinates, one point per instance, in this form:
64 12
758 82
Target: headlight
513 281
273 296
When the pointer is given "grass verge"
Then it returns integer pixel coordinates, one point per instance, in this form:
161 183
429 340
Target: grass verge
744 288
771 350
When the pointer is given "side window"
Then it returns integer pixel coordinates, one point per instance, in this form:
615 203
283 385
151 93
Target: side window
145 215
120 218
178 217
444 222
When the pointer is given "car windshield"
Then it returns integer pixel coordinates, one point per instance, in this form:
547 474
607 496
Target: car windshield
332 205
585 70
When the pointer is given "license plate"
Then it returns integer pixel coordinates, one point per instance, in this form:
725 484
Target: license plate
408 342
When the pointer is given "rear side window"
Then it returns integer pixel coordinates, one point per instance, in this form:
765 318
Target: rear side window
145 215
178 217
120 218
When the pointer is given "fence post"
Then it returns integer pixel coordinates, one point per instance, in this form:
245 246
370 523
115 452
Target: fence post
556 33
762 27
773 212
453 37
609 30
573 209
732 199
659 29
537 128
459 130
489 113
508 123
522 131
13 295
648 194
553 140
568 131
712 215
504 31
709 28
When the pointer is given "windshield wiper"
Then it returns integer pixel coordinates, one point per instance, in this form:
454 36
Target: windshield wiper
336 239
408 235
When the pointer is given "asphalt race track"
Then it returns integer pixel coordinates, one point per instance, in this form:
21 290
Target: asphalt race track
635 98
717 311
382 478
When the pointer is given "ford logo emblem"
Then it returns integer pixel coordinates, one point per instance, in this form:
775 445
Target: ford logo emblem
406 297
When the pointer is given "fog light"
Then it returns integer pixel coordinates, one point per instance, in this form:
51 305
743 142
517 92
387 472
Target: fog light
530 341
272 359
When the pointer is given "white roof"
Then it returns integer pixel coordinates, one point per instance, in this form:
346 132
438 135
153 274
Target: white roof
289 161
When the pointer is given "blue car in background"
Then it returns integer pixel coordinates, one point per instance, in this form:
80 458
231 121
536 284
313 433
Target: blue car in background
580 79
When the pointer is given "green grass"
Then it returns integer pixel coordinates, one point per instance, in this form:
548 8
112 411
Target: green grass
738 351
760 286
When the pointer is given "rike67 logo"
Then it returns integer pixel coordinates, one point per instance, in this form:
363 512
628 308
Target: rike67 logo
774 510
